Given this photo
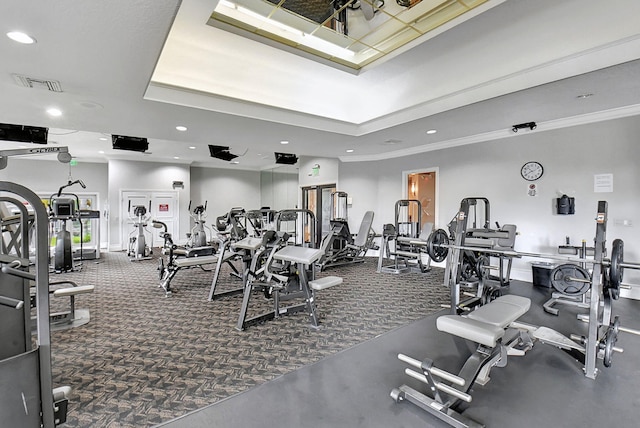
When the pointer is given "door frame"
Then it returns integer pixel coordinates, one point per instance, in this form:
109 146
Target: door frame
405 190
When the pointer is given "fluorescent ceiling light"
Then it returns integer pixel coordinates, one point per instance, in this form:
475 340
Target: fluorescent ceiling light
192 147
431 131
349 150
20 37
103 139
181 128
284 142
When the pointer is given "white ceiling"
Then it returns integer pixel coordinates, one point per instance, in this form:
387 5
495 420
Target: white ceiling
140 68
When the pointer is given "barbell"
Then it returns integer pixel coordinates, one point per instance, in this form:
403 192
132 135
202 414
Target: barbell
438 247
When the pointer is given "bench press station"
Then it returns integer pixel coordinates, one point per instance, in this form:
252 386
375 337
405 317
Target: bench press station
498 334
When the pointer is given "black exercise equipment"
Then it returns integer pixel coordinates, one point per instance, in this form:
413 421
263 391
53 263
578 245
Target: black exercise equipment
64 207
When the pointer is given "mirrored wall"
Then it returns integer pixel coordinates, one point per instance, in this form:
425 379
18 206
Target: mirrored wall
279 187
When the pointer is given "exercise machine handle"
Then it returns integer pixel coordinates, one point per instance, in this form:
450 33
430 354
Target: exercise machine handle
11 270
440 386
433 370
10 302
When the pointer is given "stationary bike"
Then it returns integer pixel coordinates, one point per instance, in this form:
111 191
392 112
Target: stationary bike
198 235
138 247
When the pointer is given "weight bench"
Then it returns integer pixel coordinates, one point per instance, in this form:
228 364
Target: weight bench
186 258
492 328
72 317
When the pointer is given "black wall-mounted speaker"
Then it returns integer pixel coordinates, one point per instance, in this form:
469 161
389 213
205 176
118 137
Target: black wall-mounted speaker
134 144
23 134
286 158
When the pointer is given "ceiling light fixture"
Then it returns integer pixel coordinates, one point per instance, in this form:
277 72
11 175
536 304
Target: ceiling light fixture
55 112
349 150
101 152
103 139
181 128
431 131
235 162
20 37
284 142
176 157
192 147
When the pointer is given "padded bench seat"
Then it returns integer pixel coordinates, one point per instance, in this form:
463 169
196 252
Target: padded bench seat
195 261
326 282
487 324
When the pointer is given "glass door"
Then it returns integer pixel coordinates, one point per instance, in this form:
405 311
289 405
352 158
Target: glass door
317 199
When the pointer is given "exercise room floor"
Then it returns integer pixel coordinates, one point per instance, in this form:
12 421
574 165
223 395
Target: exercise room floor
545 388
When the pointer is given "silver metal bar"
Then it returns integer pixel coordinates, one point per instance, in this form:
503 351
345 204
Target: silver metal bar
441 386
434 370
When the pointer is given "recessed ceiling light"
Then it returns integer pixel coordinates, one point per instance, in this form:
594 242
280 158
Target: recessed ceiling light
284 142
349 150
181 128
235 162
20 37
431 131
583 96
176 157
192 147
55 112
103 139
101 152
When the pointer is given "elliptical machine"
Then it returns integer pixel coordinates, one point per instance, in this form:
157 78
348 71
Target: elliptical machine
198 235
62 208
138 247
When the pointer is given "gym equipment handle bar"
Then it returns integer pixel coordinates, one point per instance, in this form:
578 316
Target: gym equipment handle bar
12 303
441 386
10 269
433 370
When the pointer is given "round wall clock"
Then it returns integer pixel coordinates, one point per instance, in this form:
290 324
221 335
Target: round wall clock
531 171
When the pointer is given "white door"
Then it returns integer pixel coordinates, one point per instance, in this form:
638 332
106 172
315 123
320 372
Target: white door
161 206
164 208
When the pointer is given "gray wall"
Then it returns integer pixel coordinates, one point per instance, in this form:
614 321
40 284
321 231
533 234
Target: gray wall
570 156
224 189
129 175
46 177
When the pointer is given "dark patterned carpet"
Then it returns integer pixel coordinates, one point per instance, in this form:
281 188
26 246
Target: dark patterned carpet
145 359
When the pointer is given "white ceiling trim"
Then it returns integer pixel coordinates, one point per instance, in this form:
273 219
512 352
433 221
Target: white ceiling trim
616 113
616 52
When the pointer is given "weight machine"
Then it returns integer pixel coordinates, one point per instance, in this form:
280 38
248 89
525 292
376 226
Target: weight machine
498 333
27 397
408 236
138 247
339 246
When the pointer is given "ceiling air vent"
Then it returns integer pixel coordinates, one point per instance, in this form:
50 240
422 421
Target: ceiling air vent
32 82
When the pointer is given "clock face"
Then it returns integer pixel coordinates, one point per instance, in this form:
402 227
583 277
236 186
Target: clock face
531 171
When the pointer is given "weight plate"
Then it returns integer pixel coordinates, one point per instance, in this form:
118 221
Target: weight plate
570 279
482 262
436 245
610 340
615 269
